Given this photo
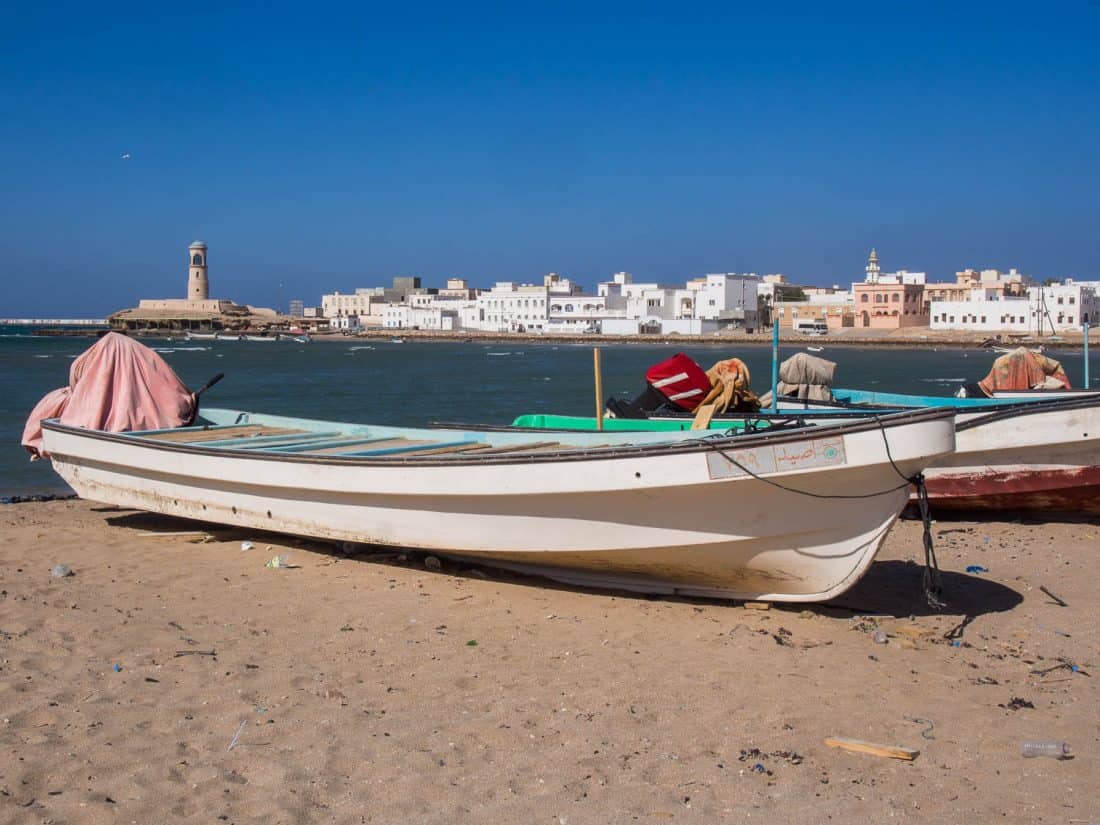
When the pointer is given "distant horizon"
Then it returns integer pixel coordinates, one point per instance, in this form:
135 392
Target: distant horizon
328 151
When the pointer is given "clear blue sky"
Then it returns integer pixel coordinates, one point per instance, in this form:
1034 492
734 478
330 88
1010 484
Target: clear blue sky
325 147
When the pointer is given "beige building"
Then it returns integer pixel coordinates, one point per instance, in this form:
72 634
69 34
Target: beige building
1011 284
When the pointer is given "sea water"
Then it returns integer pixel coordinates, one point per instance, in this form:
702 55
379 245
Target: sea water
418 382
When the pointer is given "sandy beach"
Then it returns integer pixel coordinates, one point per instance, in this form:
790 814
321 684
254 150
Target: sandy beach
370 689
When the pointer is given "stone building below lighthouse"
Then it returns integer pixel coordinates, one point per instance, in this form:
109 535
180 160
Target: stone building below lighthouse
198 311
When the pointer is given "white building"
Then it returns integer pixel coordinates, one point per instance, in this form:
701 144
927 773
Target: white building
984 311
1064 306
1045 310
346 323
725 297
511 307
578 313
367 305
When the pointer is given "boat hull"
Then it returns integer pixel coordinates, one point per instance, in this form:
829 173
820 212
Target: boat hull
1054 491
684 521
1040 460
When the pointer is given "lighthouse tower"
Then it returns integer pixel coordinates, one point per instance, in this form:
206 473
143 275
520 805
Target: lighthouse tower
198 286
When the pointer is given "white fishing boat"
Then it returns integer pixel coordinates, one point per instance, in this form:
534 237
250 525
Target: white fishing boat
263 339
793 515
201 336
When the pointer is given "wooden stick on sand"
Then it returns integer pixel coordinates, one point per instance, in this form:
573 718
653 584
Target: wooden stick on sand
859 746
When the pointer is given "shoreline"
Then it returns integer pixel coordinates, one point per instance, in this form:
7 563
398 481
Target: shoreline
882 339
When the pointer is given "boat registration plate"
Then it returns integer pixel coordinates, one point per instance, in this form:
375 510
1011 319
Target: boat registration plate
777 458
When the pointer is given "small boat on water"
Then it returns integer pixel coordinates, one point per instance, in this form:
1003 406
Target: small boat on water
397 340
262 339
201 336
791 515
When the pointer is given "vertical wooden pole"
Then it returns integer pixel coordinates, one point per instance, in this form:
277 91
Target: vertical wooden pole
1086 355
599 387
775 365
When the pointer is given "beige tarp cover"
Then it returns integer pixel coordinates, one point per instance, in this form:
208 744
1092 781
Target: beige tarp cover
805 377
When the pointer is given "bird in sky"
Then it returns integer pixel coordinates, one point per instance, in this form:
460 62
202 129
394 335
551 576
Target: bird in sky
126 156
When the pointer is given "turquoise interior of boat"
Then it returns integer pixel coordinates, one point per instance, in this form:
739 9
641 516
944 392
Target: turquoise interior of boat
548 421
260 432
893 399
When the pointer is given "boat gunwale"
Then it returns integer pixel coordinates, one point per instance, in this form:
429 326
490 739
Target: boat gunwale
990 414
690 446
986 404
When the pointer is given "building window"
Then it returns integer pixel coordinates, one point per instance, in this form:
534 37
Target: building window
983 319
896 299
863 297
196 260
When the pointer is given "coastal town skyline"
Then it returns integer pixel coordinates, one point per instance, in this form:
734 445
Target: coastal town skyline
501 144
883 301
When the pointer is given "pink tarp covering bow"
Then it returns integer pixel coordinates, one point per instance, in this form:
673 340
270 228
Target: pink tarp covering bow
117 385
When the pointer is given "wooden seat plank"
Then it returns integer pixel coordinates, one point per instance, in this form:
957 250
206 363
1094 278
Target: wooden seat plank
454 448
530 446
212 434
358 445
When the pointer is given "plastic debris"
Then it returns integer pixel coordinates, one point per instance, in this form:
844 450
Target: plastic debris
1055 750
237 735
976 568
278 563
471 643
879 637
60 571
117 668
246 545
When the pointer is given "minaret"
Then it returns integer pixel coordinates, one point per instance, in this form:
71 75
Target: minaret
872 268
198 286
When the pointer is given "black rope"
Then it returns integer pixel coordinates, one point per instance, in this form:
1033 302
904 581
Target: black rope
933 587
